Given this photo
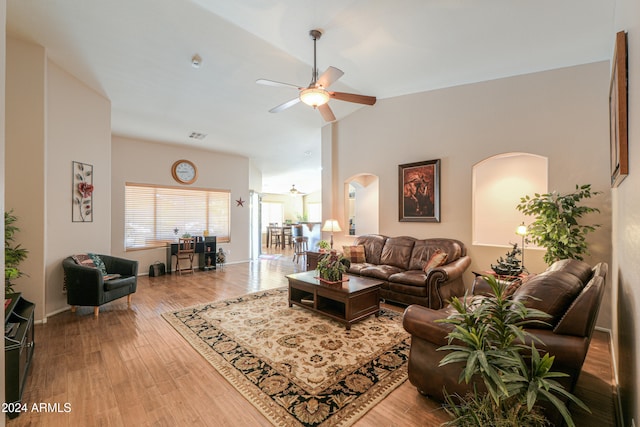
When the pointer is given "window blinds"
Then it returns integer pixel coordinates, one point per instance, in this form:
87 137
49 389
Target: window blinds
156 215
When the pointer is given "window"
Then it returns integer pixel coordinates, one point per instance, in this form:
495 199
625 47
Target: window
271 213
314 212
156 215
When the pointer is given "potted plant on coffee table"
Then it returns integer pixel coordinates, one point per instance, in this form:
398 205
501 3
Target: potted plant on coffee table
332 266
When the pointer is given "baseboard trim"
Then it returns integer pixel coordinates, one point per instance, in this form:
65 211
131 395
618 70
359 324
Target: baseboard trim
614 369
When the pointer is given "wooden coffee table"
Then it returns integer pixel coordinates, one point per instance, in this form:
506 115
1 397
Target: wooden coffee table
347 302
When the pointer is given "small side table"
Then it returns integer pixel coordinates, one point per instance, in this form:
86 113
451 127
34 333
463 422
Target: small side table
312 259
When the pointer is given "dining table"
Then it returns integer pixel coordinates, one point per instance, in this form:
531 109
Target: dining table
274 230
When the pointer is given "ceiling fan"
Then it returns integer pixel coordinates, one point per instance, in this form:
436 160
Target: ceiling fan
294 191
316 94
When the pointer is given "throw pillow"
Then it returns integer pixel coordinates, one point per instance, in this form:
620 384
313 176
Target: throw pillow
438 258
84 260
355 254
98 263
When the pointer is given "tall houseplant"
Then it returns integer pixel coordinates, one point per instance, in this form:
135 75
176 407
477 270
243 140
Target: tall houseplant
556 226
488 340
13 254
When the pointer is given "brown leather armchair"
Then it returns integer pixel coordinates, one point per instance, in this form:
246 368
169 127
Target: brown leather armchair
569 290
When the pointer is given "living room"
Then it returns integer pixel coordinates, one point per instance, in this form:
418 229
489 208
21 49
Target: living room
52 118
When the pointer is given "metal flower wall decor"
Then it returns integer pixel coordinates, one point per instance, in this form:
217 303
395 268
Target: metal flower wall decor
82 193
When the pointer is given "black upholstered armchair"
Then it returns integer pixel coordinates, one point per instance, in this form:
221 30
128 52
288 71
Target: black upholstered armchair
86 286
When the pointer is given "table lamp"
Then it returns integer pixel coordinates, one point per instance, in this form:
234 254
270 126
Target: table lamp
522 231
331 225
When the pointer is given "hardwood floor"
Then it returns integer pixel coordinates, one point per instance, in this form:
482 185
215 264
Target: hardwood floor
130 367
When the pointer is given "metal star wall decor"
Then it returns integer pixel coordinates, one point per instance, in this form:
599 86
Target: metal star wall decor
240 202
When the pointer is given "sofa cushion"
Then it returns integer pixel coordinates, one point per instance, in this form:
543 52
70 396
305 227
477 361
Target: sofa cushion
355 254
356 268
373 244
397 252
410 277
119 283
438 258
551 292
580 269
380 271
423 251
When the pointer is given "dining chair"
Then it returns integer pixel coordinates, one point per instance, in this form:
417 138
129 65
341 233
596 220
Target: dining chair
287 236
274 233
186 252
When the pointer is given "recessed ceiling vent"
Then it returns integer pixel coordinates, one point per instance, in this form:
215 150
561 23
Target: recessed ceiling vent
197 135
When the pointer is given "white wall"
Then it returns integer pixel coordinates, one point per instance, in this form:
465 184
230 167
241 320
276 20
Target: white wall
3 21
78 129
146 162
625 268
52 120
25 167
560 114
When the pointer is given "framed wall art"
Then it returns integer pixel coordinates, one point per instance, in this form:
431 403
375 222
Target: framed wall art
82 193
419 191
618 112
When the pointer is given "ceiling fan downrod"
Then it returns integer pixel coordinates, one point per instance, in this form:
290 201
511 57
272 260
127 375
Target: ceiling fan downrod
315 35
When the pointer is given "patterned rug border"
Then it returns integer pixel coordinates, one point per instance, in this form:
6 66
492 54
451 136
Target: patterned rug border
276 414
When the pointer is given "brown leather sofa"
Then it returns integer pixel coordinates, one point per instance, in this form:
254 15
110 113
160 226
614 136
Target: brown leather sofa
400 262
569 290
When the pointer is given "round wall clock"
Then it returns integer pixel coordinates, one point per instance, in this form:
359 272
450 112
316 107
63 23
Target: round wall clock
184 171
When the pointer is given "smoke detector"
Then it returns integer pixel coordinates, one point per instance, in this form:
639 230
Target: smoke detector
196 61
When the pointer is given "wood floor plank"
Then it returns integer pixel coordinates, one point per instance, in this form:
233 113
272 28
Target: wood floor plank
130 367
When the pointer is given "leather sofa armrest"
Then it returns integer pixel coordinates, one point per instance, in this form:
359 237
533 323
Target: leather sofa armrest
448 272
445 282
421 322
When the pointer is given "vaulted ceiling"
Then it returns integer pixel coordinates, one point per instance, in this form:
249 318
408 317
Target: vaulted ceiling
138 53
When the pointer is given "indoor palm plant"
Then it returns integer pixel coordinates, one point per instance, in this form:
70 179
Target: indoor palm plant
488 340
556 226
13 254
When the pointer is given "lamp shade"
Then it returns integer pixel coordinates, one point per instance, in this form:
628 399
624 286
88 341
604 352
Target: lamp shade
521 230
331 225
314 96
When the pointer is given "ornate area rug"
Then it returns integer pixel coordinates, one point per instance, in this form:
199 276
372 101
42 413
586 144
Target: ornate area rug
295 366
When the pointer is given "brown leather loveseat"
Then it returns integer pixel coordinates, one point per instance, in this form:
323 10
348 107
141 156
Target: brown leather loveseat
400 262
569 290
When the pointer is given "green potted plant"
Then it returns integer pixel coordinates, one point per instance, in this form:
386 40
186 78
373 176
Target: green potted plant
332 266
323 245
556 226
488 340
13 254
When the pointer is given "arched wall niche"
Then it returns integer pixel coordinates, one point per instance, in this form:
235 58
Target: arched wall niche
361 204
498 184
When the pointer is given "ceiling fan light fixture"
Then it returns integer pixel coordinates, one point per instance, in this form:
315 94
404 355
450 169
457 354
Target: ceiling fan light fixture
314 96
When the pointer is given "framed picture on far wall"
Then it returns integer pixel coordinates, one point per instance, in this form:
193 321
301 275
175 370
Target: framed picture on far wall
419 191
618 112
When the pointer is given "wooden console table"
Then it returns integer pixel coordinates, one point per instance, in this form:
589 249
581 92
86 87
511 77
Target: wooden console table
347 302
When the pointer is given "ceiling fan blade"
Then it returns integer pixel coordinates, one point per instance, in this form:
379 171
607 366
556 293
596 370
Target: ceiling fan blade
329 77
285 105
276 84
352 97
326 112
